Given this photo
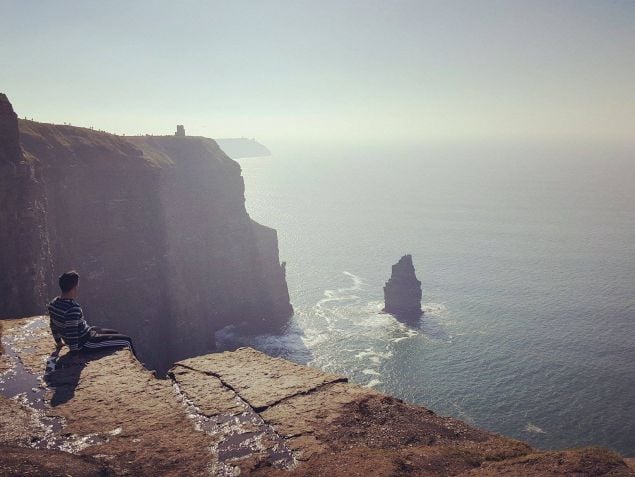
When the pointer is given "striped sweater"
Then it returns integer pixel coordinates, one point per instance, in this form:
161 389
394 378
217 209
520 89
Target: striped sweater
67 323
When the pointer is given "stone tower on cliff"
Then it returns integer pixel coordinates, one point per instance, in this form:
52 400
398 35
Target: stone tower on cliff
180 130
402 293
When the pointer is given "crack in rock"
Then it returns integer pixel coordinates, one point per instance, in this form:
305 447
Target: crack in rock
241 435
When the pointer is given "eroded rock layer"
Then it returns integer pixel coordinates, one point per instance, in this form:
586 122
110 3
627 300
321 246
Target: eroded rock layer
156 227
236 413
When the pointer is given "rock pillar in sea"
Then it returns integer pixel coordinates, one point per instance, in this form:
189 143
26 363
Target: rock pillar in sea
402 293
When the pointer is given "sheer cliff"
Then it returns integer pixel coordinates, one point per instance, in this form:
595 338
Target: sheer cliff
156 226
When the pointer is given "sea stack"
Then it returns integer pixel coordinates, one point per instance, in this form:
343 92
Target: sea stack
402 293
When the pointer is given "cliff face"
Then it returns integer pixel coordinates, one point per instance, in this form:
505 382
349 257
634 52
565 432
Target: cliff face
153 225
238 413
24 255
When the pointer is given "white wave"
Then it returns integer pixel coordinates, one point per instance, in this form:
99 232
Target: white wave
533 429
372 383
374 356
357 282
363 354
313 339
334 296
375 305
433 309
343 293
397 340
371 372
291 345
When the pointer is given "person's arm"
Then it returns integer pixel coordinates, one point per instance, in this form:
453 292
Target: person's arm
55 331
73 320
56 335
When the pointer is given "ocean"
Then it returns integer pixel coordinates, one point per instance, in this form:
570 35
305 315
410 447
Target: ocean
527 262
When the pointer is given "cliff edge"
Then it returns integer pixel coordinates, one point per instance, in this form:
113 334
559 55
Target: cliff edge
235 413
152 224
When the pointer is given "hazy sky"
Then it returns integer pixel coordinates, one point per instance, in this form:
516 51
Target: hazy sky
294 70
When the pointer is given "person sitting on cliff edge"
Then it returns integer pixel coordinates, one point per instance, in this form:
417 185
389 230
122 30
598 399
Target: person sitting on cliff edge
69 327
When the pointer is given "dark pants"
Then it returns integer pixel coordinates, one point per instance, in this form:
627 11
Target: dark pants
107 338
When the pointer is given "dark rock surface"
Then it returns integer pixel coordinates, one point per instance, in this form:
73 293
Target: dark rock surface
156 227
402 293
27 462
24 250
241 413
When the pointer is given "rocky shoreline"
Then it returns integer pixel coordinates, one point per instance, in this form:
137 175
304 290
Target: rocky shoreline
234 413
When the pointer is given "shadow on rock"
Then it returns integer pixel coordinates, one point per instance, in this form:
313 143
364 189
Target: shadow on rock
63 372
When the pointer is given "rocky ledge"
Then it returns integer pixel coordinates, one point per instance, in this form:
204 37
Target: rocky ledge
234 413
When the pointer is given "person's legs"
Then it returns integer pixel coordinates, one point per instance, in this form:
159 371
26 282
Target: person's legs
105 331
99 340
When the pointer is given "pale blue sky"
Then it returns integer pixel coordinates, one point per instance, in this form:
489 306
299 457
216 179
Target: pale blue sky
339 71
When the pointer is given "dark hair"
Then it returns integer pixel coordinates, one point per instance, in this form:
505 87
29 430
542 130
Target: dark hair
68 280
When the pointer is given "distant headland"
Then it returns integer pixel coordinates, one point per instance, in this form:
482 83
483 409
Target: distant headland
239 147
235 147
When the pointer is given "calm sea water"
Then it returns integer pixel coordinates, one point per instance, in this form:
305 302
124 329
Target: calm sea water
527 259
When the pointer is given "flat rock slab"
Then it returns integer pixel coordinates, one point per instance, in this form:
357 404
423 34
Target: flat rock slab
134 417
107 407
207 392
5 328
17 426
30 338
260 379
308 413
